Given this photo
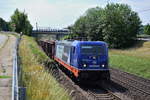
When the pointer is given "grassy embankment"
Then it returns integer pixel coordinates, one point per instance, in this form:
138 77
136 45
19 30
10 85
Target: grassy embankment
5 76
39 82
134 60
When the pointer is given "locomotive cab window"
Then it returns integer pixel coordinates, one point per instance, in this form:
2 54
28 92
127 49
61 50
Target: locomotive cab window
92 49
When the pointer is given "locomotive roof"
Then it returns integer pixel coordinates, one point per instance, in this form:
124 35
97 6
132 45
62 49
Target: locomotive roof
64 42
76 42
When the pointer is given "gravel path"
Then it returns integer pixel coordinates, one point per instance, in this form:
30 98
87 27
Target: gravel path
3 38
6 69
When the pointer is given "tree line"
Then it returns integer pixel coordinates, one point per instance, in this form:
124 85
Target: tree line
19 23
116 24
4 26
147 29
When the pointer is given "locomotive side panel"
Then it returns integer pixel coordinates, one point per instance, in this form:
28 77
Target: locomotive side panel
66 54
62 56
63 53
59 51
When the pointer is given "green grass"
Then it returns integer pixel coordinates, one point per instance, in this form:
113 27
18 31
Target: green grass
41 85
134 60
143 35
5 76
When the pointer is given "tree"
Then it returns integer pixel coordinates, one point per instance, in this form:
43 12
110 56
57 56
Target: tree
94 24
147 29
89 25
121 25
4 26
79 28
20 22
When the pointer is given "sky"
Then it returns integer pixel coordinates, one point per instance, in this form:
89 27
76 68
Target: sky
62 13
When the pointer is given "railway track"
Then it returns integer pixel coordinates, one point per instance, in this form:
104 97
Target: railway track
103 94
89 92
140 90
141 81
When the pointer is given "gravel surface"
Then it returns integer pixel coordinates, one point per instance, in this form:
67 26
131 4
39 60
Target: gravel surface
3 38
6 68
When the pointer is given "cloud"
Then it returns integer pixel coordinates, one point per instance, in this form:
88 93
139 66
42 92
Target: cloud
58 14
138 6
61 13
6 8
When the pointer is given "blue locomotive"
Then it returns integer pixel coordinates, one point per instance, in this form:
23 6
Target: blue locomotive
84 59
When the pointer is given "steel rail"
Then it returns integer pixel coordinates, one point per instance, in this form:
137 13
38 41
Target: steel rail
113 95
131 81
15 88
141 90
126 74
107 96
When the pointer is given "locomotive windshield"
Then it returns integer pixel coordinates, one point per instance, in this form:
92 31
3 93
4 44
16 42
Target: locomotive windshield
92 49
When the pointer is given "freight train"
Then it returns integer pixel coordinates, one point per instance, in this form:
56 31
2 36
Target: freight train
85 60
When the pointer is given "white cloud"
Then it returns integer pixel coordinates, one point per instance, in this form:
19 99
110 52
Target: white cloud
59 14
138 6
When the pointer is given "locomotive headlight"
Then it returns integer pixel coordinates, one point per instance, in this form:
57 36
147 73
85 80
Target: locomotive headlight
94 57
103 65
84 65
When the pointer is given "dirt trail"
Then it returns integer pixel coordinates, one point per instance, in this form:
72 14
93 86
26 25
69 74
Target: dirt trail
6 69
3 38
